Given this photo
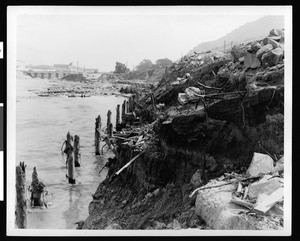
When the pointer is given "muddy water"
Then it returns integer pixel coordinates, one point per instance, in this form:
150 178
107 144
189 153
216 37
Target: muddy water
42 125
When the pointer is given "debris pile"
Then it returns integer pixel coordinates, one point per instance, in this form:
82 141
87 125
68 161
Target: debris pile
250 201
216 129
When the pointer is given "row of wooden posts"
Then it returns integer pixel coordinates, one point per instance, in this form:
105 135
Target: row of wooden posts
72 151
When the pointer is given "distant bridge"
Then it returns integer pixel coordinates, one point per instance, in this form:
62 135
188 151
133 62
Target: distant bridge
44 74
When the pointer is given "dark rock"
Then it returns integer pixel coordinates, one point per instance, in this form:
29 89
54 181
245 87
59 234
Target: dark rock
272 58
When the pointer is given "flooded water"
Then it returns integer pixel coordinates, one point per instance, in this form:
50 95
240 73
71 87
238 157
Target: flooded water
42 125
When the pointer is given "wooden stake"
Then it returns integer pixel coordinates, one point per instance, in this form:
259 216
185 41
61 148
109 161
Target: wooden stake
70 160
123 111
110 130
76 150
108 120
127 106
37 188
21 207
118 116
97 135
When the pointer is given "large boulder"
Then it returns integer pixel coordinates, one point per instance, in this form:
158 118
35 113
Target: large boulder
272 58
265 49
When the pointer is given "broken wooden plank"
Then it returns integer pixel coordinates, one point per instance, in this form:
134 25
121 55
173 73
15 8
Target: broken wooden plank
127 164
242 203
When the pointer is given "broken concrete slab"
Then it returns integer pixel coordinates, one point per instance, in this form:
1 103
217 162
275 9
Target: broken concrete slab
268 201
260 164
266 187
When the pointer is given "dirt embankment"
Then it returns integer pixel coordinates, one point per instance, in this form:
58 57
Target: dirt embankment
210 113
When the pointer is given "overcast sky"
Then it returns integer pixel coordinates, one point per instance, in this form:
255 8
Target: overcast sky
99 41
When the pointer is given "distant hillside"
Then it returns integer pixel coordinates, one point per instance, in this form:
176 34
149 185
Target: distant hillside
248 32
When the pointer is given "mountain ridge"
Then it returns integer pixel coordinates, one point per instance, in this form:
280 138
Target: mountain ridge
251 31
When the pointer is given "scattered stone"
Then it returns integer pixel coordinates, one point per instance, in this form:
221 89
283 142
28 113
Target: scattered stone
176 225
156 191
265 49
113 226
159 225
196 179
260 163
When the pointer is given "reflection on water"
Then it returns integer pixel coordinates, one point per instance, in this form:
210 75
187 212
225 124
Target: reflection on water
42 125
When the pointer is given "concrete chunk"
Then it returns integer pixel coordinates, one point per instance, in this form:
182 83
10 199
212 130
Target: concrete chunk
260 163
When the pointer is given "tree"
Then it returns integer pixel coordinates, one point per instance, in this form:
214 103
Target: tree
163 63
121 68
145 65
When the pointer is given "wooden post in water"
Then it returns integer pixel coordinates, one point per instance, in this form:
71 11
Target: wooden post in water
118 116
37 189
109 124
110 130
21 207
97 135
127 106
76 150
123 111
70 160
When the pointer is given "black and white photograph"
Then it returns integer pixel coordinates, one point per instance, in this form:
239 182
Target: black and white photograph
149 120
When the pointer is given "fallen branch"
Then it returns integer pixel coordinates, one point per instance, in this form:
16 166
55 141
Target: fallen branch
127 164
224 184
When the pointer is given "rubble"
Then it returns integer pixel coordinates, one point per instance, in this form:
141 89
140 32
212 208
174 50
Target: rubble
204 129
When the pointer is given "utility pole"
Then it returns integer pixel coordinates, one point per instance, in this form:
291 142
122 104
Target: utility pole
77 67
224 44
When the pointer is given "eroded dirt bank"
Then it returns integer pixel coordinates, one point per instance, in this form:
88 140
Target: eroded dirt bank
206 117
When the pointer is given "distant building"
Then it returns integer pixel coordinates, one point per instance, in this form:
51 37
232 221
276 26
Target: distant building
91 71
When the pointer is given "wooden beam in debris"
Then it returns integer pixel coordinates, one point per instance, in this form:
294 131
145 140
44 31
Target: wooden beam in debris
127 164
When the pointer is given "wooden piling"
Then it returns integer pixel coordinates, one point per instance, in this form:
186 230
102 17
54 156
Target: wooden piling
97 135
37 189
127 106
108 119
76 150
70 160
110 130
123 111
21 207
118 116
